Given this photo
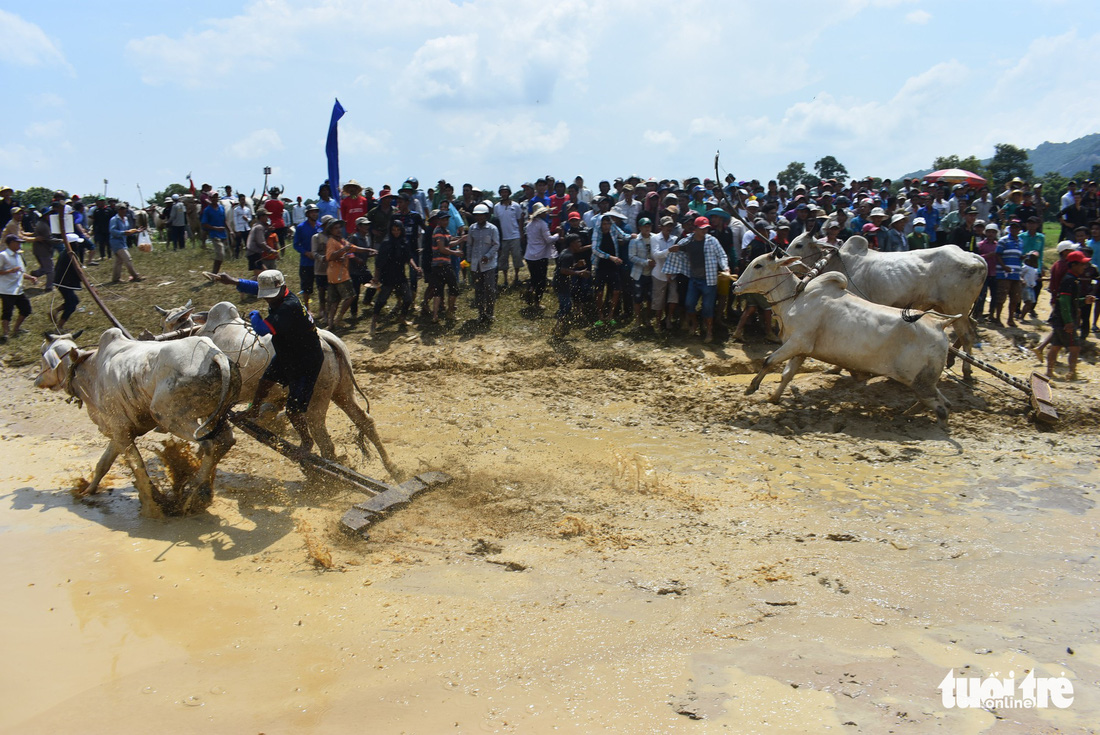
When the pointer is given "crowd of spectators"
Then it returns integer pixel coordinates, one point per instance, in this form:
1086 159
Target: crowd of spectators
655 253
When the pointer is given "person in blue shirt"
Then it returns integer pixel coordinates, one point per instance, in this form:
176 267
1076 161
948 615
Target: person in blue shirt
213 224
303 243
326 203
1010 260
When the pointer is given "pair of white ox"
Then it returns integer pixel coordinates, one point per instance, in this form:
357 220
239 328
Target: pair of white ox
828 322
185 387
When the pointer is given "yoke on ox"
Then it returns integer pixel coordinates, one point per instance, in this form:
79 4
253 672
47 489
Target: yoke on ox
826 322
130 388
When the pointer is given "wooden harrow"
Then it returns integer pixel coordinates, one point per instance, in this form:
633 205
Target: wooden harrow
358 519
1038 388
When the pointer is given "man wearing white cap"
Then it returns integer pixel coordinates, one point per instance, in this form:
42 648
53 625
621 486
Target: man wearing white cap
298 356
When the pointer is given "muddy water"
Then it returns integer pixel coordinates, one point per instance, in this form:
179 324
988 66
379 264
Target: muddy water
631 546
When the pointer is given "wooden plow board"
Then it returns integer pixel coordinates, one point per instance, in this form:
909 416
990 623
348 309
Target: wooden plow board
1038 389
357 520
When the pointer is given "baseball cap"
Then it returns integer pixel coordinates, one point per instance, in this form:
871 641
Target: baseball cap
1065 245
702 222
644 221
1077 257
271 284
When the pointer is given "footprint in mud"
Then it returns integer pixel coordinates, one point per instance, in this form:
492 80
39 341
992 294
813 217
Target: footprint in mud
666 587
830 583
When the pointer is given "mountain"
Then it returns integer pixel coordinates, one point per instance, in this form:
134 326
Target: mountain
1062 158
1065 158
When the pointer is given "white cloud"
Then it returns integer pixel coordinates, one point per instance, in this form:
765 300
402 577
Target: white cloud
354 140
25 44
660 138
48 129
918 17
256 144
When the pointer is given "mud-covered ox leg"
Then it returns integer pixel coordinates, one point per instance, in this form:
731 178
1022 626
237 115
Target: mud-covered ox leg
789 371
200 490
785 352
924 385
315 420
966 334
365 424
103 466
152 500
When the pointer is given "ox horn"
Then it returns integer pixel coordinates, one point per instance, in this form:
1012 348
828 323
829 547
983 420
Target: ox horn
161 310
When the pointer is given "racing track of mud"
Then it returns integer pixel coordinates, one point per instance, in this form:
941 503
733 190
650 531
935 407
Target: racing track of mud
631 545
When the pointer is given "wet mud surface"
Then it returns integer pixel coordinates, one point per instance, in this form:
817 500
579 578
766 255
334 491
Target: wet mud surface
630 545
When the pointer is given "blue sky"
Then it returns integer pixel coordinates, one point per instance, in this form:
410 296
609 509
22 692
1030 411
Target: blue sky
493 91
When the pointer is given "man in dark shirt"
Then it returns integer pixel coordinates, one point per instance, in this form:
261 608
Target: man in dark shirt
298 354
966 236
101 226
1065 317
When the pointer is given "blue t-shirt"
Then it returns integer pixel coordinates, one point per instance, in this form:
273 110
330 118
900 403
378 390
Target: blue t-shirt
331 208
1012 254
303 241
214 216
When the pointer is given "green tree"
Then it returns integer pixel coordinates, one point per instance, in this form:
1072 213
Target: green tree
1008 161
973 164
830 168
39 196
159 197
793 175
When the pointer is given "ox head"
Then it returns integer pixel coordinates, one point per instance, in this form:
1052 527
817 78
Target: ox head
806 248
182 317
764 272
59 355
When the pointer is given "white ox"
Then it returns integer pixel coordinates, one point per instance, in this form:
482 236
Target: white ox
944 279
828 323
131 388
252 353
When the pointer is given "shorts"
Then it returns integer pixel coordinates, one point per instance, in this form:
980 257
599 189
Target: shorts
305 277
643 289
299 383
442 275
11 303
220 249
756 299
1030 296
664 292
511 249
1062 338
340 291
256 262
606 273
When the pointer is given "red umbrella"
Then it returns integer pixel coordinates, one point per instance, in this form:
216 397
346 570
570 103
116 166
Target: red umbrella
956 176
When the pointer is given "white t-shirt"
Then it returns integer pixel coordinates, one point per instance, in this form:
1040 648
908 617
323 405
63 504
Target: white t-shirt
11 284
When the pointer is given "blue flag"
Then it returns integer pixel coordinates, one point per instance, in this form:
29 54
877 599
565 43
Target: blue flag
332 151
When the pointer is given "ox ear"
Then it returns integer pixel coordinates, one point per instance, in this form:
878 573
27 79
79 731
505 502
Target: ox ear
788 261
199 317
161 310
77 356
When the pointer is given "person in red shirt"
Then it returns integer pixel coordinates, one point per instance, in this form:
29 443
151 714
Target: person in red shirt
558 201
353 204
276 212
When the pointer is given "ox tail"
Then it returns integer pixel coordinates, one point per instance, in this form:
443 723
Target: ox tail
341 351
944 320
231 385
